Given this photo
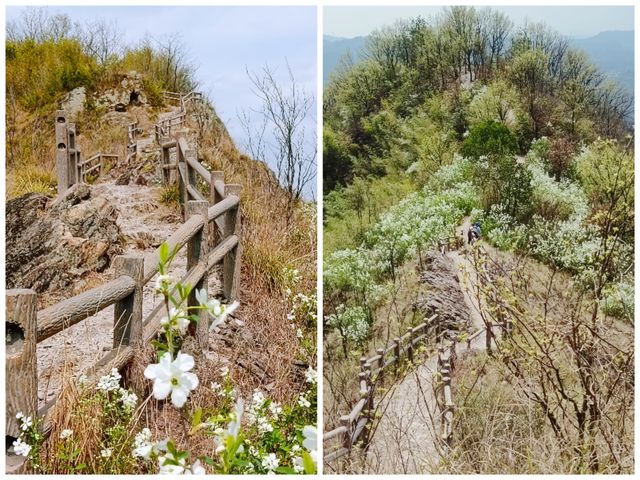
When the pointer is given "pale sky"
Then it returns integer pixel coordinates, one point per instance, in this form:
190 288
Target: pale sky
579 21
222 41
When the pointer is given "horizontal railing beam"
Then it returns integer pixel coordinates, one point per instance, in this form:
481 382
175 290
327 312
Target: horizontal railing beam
62 315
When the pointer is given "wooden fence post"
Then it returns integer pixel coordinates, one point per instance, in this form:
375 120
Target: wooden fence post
62 152
410 345
198 251
215 197
233 259
21 373
127 313
345 421
182 183
74 176
380 351
396 352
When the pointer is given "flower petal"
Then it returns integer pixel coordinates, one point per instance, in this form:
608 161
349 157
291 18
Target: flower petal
179 396
189 380
184 362
161 389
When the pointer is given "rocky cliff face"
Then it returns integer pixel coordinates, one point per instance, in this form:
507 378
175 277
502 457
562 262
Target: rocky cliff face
51 244
445 296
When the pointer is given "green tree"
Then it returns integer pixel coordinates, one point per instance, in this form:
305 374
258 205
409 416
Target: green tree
489 138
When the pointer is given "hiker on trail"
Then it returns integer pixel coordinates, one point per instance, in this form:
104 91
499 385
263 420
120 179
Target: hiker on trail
473 234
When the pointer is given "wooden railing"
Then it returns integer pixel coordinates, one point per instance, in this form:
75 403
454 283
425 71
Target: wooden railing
354 426
70 167
167 127
94 165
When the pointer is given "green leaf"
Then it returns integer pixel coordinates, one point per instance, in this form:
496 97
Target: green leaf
308 463
164 253
197 417
286 470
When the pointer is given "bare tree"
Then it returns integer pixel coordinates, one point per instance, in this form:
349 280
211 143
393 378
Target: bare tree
38 25
283 138
101 39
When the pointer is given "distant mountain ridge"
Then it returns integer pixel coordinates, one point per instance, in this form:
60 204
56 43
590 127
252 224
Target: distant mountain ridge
611 51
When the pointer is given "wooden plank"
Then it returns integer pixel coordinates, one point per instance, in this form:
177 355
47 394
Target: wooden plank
330 457
355 412
223 207
195 194
62 315
359 429
169 144
199 168
21 375
336 432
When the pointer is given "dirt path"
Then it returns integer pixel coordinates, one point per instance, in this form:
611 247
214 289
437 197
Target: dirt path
144 223
405 441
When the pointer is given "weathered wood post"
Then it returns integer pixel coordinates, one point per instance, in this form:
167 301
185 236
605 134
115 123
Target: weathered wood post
20 368
366 394
62 152
380 352
345 421
198 251
127 313
190 154
233 259
71 157
363 362
217 178
410 345
396 353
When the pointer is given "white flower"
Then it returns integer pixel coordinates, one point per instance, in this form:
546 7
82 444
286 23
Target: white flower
264 426
171 469
66 433
295 448
110 382
303 402
224 371
196 469
164 283
26 423
177 320
142 444
311 376
275 409
106 452
233 429
215 308
270 462
258 398
299 333
298 464
216 387
310 442
83 380
172 377
21 448
19 415
129 399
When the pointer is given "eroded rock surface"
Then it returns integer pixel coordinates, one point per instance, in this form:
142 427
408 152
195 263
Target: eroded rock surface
52 244
445 296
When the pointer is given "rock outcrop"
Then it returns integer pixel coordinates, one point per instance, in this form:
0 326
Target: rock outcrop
52 244
444 296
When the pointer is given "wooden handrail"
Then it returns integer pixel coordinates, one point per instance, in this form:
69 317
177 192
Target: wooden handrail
374 365
62 315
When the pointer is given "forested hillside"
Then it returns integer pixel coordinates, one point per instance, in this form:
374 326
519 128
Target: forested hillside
468 116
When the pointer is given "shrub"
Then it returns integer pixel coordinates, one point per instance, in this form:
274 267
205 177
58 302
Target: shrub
489 138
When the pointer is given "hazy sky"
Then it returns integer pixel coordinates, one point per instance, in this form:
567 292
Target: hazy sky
571 21
222 41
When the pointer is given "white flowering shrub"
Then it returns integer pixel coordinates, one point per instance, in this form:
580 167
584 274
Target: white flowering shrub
353 323
619 299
